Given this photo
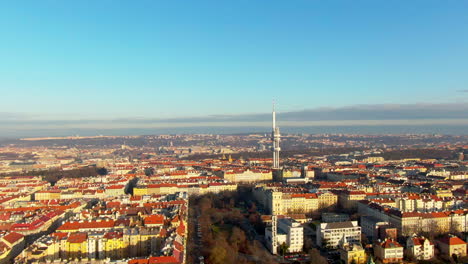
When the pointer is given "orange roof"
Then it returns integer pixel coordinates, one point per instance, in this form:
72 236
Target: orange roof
115 187
138 261
13 237
390 243
59 235
163 232
112 235
181 229
304 195
175 219
108 223
155 219
77 237
163 259
178 246
420 240
452 241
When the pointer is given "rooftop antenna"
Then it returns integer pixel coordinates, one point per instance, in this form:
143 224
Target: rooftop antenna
274 115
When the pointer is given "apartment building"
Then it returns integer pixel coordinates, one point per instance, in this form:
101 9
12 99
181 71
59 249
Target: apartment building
420 247
388 251
329 235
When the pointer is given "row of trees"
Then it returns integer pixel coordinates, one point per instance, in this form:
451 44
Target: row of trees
225 228
227 222
54 175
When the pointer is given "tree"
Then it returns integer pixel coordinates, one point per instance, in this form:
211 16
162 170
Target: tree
237 237
102 171
217 255
204 204
149 171
308 243
316 258
283 249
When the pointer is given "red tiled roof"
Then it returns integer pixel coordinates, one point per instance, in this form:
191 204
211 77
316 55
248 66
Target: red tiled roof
108 223
155 219
60 235
390 243
13 237
163 259
178 246
181 229
452 241
112 235
420 241
138 261
304 195
77 238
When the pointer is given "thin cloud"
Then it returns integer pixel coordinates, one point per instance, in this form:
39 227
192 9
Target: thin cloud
463 91
427 113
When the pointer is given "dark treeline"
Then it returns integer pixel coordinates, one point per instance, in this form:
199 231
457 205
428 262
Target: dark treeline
418 153
53 175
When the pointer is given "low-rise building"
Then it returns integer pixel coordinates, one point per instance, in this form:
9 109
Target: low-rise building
388 251
451 245
353 253
420 247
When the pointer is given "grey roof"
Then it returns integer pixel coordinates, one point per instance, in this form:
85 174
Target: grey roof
337 225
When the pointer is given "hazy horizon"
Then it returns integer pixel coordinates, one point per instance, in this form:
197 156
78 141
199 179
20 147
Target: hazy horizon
456 130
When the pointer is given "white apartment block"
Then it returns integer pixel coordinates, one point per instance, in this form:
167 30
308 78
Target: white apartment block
330 234
420 247
288 231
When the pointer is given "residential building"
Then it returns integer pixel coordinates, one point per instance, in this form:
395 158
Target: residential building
420 247
388 251
353 253
451 245
329 235
289 232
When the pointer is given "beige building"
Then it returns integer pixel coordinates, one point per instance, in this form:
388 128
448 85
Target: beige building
279 203
420 248
349 199
248 175
452 245
327 199
388 251
353 253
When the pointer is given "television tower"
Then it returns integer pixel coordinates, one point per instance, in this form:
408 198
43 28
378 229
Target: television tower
275 137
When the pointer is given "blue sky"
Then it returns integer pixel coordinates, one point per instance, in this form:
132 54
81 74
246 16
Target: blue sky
63 60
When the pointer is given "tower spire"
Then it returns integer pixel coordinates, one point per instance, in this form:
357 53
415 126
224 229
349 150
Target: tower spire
274 116
275 137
